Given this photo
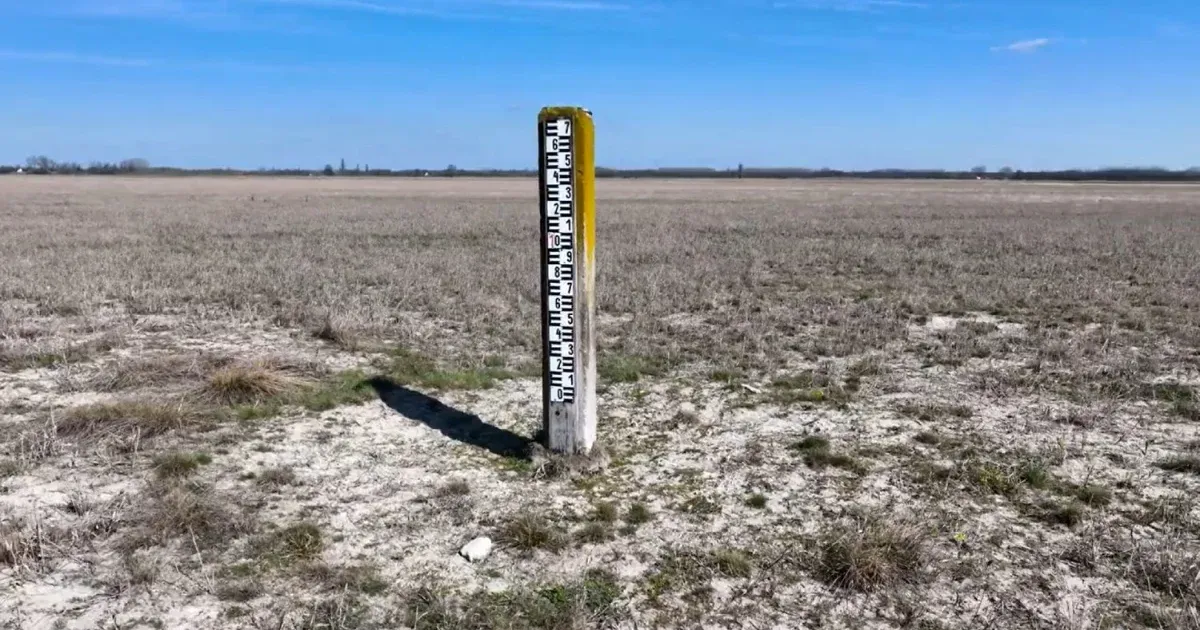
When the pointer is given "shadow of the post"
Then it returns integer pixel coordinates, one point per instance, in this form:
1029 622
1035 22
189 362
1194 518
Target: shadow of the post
453 423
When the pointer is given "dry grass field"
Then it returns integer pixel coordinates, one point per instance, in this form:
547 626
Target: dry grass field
286 404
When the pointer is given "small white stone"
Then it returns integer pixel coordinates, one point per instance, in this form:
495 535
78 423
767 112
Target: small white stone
477 550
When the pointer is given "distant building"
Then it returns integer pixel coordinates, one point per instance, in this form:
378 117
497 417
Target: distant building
20 171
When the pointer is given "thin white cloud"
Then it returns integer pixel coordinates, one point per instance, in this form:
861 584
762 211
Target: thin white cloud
452 9
556 5
295 16
1025 46
72 58
849 5
816 41
64 57
163 9
213 15
1177 29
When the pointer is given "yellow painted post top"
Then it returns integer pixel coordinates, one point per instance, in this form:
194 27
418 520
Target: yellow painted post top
585 178
563 111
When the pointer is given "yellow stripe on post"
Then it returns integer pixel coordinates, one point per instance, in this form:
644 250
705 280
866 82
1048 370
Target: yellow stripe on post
567 196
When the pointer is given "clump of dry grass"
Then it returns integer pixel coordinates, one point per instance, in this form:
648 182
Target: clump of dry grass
1173 512
146 419
300 542
9 468
1181 464
139 569
252 382
240 591
156 371
360 578
455 488
590 601
1165 567
932 438
334 332
177 465
172 509
733 563
529 531
966 341
19 544
872 552
33 543
933 412
277 477
810 386
594 532
1093 495
638 514
818 454
16 356
1069 514
605 512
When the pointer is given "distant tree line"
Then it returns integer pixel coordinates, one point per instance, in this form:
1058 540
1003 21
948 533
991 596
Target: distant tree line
41 165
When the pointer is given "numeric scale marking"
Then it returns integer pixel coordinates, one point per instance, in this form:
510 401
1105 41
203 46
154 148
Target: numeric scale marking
560 257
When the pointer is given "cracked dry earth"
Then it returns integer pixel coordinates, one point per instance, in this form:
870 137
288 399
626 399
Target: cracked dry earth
972 470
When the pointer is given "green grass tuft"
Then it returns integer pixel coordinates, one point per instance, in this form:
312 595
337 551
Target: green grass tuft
301 541
622 368
638 514
344 388
1035 473
818 455
811 443
757 501
9 468
594 532
1093 495
1069 514
531 531
1182 464
732 563
932 412
406 367
176 465
996 479
147 419
605 512
928 437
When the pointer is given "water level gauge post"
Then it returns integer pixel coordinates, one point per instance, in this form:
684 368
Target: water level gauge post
567 199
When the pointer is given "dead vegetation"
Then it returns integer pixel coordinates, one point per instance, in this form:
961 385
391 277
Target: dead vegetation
823 403
873 551
251 383
146 419
186 510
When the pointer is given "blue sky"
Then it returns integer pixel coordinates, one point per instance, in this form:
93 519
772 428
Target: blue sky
850 84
